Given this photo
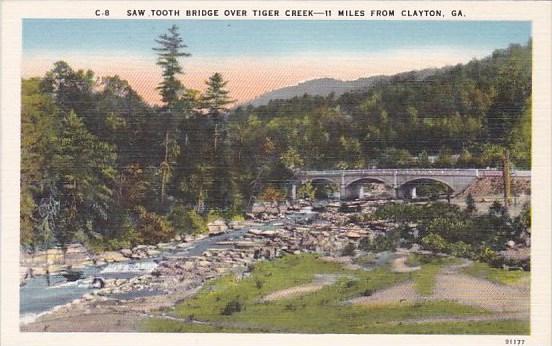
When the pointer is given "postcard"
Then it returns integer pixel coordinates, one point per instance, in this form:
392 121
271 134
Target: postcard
254 172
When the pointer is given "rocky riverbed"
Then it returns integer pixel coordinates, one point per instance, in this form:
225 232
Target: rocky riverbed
182 266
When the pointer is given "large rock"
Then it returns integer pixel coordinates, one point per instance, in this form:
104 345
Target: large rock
126 252
217 227
113 256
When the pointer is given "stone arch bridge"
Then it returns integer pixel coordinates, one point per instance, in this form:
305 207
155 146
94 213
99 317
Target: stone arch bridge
403 181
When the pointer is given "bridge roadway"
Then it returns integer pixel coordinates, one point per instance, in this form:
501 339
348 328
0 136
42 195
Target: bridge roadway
403 181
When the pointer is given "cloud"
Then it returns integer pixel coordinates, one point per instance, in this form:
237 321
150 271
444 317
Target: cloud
251 76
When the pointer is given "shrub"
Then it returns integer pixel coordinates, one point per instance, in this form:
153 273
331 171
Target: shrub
153 228
195 223
232 307
367 293
178 218
237 217
214 215
380 242
434 242
489 256
259 284
384 242
460 249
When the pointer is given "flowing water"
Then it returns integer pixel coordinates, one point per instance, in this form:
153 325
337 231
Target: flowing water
38 296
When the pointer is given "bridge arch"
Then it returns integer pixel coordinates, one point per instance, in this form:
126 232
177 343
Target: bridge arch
367 180
324 188
357 188
320 181
410 188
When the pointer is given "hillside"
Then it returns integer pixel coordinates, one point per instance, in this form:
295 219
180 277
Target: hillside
471 111
326 86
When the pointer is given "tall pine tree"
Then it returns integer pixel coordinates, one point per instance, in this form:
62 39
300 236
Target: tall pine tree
171 90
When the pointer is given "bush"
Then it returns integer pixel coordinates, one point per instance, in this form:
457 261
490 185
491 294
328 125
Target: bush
178 218
380 243
460 249
237 217
153 228
259 284
195 223
187 221
489 256
434 242
231 307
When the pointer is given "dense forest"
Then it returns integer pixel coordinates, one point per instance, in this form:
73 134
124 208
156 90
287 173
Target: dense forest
102 166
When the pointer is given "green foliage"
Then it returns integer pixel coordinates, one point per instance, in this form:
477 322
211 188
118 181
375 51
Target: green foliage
170 49
460 249
153 228
231 307
216 98
432 190
501 276
499 327
434 242
448 229
291 159
307 191
84 190
381 242
301 314
98 161
185 221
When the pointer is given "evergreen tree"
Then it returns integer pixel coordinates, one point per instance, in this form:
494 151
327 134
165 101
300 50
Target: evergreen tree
215 102
84 171
171 90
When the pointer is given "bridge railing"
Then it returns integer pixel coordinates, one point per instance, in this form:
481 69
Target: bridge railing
471 172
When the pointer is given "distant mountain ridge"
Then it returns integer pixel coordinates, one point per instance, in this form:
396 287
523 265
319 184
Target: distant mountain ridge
326 86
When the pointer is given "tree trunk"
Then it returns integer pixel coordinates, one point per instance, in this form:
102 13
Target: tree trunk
164 171
506 177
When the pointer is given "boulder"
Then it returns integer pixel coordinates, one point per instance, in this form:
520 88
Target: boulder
126 252
153 253
113 256
217 227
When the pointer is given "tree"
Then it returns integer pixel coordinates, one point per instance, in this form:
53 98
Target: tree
84 174
470 204
216 99
307 191
171 90
520 138
169 51
215 102
39 116
71 90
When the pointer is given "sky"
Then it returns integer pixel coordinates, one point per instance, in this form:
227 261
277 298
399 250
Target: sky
257 56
